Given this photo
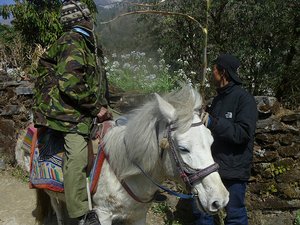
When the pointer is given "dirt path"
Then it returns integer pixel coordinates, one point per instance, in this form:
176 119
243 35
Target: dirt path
17 201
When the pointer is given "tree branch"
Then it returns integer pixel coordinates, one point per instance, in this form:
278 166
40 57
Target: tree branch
164 13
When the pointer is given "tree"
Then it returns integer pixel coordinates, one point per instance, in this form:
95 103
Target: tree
264 35
38 20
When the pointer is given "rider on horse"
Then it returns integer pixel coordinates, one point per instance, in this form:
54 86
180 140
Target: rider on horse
71 90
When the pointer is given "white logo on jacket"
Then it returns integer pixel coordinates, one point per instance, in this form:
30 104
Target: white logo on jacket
228 115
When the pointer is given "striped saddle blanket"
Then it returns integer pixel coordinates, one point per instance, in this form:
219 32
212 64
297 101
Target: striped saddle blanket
46 160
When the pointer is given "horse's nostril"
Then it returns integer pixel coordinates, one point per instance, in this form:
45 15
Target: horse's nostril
216 205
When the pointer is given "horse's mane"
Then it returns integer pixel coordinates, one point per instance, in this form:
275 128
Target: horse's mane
138 141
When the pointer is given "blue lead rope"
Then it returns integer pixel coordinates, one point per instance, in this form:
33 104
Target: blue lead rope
169 191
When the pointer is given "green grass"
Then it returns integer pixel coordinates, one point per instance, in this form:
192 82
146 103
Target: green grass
135 72
20 174
160 208
297 219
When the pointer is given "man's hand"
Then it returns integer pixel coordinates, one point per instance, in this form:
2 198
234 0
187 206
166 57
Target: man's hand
205 118
103 115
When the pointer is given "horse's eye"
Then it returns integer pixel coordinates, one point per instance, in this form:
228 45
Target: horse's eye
183 149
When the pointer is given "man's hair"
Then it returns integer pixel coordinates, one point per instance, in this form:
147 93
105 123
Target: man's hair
223 71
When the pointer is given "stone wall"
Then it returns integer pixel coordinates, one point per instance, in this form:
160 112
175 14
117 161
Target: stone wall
273 195
15 113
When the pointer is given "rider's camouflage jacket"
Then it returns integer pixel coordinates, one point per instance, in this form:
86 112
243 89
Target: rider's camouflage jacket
69 89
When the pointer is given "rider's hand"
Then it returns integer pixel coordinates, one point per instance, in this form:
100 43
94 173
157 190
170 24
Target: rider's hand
104 114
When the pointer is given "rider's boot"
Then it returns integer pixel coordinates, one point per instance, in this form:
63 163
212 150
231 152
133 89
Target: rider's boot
91 218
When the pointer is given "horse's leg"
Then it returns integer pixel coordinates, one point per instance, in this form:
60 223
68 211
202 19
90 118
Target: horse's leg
104 217
59 210
43 207
141 221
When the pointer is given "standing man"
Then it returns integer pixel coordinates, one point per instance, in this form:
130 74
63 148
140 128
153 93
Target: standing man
70 91
232 120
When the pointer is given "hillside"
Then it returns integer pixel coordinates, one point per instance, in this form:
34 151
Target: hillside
125 34
105 2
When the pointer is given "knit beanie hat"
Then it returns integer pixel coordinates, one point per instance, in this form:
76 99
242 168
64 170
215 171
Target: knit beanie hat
72 12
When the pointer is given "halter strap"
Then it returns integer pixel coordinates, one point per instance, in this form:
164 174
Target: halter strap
192 125
197 124
188 174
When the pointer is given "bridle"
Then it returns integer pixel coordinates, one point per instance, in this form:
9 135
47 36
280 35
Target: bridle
188 174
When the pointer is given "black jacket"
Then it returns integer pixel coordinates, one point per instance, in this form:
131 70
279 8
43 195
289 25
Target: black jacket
234 116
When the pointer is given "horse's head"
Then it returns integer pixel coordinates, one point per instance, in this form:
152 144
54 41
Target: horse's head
187 149
166 138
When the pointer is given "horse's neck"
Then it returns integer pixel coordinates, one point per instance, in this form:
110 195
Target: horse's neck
142 188
112 197
122 148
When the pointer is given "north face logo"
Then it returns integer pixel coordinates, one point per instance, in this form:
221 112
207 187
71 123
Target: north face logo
228 115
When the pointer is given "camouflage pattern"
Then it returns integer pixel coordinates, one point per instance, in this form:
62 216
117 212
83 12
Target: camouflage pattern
70 89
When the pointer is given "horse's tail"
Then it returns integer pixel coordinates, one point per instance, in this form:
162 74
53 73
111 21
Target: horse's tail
43 206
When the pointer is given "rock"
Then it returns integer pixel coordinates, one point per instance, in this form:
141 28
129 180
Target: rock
285 163
289 191
2 164
291 176
263 169
5 85
265 100
264 156
265 138
290 119
11 110
259 188
7 128
275 203
257 217
7 139
24 91
286 139
266 106
269 125
289 151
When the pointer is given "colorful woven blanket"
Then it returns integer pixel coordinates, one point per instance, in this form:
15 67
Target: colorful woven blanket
26 145
46 170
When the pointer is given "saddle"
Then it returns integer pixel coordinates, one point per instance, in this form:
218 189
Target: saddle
46 159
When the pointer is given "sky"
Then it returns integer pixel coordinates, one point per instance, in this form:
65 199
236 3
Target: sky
5 2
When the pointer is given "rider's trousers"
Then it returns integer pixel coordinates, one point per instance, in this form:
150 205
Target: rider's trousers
74 169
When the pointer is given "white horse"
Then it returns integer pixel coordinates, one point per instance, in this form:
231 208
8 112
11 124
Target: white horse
164 139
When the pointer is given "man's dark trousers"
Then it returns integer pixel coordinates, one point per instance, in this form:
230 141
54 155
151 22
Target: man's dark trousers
235 209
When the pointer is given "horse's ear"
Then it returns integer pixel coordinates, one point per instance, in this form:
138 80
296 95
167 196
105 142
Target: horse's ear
166 109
